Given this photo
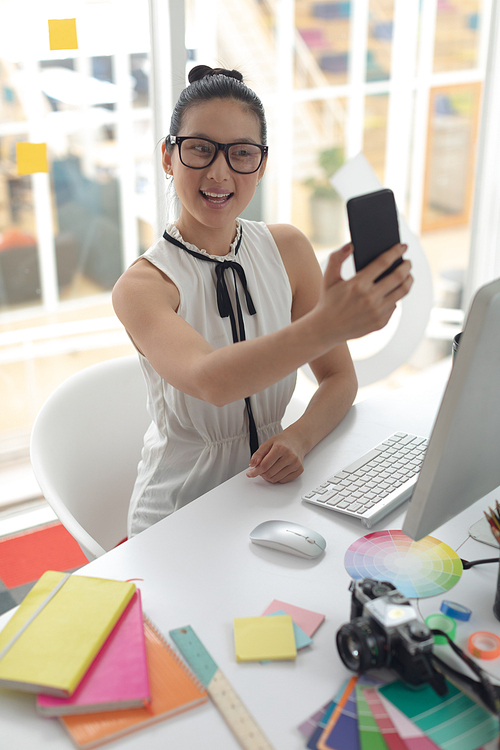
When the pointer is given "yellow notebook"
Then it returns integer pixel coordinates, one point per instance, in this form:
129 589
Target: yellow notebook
264 638
59 628
173 686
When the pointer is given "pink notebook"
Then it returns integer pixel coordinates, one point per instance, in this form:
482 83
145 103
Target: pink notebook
118 677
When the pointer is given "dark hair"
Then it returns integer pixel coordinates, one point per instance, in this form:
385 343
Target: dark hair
207 83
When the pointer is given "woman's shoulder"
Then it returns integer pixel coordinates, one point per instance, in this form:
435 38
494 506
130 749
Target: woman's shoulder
291 242
297 254
286 237
288 233
144 281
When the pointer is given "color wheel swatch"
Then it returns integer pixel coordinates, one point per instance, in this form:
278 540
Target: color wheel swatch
418 569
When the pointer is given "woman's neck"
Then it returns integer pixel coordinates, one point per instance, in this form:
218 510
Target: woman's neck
214 240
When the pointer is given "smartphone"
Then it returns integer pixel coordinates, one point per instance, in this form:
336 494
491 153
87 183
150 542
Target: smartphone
373 223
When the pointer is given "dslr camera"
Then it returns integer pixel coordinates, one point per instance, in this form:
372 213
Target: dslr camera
385 631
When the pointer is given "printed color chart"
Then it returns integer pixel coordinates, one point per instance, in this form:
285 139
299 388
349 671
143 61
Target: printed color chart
418 569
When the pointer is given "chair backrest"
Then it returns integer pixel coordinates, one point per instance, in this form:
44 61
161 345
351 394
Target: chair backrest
85 447
407 329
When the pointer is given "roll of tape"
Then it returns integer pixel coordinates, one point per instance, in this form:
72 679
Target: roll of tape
484 645
457 611
444 623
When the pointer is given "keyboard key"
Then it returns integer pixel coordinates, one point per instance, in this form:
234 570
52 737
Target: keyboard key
354 507
362 461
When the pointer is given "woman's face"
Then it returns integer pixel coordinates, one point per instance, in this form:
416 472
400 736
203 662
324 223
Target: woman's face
216 195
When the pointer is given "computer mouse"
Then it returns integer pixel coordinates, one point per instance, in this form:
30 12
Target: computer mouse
289 537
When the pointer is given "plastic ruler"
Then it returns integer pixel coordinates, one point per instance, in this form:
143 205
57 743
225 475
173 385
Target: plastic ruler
234 712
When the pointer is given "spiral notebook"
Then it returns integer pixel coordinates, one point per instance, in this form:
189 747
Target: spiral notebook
174 689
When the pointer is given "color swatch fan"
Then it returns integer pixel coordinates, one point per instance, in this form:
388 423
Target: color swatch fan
417 569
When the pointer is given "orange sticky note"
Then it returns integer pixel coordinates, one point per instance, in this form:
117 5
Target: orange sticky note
31 157
62 33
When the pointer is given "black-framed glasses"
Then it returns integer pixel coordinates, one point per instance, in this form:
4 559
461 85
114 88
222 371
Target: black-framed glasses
198 153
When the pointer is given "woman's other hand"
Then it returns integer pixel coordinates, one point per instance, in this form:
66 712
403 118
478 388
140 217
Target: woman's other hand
278 460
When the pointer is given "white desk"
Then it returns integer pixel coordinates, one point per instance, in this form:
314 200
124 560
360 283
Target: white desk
199 568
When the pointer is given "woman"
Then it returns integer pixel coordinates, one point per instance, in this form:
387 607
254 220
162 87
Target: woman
223 311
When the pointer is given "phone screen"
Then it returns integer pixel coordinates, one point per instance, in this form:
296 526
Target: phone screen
373 223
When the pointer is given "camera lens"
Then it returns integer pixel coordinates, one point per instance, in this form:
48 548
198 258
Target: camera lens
361 644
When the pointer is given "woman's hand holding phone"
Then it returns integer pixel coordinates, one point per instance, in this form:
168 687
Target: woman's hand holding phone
366 302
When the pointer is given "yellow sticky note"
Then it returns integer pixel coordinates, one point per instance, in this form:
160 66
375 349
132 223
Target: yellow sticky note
31 157
62 33
264 638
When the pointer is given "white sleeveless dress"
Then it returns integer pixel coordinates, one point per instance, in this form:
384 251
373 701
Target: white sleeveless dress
192 446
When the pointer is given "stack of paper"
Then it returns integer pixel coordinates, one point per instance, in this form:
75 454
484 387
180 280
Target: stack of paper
277 635
84 646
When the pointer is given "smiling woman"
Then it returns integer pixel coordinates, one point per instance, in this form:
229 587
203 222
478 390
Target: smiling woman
223 311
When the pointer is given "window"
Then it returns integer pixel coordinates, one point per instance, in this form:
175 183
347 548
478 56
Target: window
400 80
67 234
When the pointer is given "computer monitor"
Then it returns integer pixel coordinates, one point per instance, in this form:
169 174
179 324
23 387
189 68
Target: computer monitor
462 461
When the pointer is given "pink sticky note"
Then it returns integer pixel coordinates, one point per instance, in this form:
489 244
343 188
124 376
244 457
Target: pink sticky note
306 619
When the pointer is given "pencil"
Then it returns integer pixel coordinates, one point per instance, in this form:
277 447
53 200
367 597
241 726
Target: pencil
494 518
493 527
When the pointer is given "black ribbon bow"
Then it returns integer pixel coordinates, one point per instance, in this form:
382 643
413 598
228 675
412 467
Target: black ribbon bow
226 310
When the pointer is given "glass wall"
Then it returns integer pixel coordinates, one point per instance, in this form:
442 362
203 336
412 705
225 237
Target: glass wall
67 233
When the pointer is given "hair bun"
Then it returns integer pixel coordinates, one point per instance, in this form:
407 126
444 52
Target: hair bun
205 71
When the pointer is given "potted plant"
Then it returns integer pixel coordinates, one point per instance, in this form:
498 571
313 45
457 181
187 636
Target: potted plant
326 206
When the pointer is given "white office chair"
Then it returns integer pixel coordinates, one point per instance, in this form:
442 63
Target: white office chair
85 446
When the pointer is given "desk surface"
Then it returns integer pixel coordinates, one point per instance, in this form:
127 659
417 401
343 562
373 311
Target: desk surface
199 568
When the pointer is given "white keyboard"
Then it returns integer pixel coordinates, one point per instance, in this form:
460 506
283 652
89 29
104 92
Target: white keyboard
376 483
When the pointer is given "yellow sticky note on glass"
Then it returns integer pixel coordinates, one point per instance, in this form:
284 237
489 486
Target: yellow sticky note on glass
264 638
62 33
31 157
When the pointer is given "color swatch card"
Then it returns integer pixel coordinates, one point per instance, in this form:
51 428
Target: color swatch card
264 638
118 676
386 726
315 736
370 735
301 639
306 619
313 727
412 736
308 726
341 730
451 721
